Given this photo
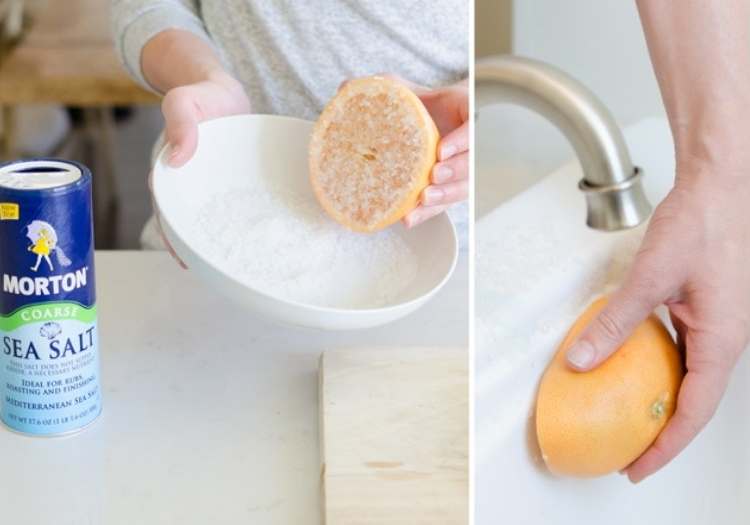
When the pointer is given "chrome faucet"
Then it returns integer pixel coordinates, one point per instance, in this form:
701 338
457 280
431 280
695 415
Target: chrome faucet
612 185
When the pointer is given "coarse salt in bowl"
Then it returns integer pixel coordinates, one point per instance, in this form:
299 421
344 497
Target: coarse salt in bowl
242 214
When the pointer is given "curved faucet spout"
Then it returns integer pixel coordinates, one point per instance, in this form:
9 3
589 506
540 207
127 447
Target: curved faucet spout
611 183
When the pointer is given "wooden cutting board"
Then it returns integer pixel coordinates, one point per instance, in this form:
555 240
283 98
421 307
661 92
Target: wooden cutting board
394 425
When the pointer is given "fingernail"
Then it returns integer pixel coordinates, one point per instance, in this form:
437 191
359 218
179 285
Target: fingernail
432 195
442 174
448 151
581 355
634 480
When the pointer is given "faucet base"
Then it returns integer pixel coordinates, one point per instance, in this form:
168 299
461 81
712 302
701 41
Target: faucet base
617 206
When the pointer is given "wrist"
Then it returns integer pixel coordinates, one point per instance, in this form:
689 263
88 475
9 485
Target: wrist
715 147
175 58
701 176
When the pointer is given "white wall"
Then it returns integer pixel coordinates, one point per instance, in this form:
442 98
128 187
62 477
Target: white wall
599 43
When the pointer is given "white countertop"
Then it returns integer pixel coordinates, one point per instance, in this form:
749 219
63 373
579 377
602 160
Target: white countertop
210 413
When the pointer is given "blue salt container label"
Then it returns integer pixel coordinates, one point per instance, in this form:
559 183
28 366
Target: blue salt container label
49 347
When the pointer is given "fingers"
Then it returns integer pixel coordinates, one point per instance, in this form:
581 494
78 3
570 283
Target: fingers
439 194
449 182
451 170
699 397
609 330
645 288
422 213
449 109
455 142
181 127
449 177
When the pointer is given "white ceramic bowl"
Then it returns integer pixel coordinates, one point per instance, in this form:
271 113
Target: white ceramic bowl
236 149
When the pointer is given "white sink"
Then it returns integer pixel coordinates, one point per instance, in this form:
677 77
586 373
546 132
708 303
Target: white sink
538 266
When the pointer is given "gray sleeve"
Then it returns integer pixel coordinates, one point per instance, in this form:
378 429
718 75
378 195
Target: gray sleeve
135 22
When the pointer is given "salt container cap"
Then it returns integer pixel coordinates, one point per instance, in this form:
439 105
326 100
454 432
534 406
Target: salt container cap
39 174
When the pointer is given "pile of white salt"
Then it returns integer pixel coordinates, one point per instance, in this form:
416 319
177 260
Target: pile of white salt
280 242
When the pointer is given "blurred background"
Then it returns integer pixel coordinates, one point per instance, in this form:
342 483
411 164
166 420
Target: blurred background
599 43
63 93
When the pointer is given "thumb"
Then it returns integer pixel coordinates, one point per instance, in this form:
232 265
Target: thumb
181 128
625 310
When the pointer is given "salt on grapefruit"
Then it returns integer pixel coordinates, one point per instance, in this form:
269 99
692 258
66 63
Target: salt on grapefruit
371 153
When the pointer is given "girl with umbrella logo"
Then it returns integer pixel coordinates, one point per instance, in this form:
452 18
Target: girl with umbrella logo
44 241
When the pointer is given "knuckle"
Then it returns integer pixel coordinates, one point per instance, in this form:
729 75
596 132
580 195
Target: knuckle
649 283
460 165
646 288
608 326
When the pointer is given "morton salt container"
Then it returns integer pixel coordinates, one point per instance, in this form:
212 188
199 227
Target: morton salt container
49 360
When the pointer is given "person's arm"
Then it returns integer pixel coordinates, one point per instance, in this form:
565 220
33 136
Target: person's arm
694 257
136 22
165 46
701 56
197 87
